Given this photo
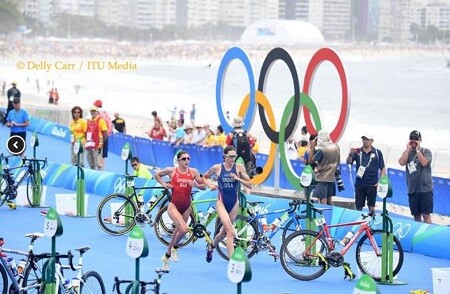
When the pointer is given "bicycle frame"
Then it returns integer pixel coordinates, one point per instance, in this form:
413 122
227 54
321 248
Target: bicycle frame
29 262
325 231
258 216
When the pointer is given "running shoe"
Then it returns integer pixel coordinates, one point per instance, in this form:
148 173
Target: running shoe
11 204
165 261
174 255
209 253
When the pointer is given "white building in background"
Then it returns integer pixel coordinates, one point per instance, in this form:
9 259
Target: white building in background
282 32
242 13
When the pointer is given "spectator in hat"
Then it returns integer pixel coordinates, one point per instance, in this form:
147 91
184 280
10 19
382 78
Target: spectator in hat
18 120
12 93
188 134
199 136
418 177
109 128
96 134
369 168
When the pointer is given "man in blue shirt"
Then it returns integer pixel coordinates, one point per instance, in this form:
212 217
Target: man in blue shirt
18 120
369 161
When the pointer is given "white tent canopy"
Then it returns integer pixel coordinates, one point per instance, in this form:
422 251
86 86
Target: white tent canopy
286 32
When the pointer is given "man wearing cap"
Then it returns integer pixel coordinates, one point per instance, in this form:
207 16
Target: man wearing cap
418 178
240 140
12 93
369 168
18 120
105 116
96 134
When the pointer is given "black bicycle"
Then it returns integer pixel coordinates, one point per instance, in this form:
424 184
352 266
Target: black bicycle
143 285
9 185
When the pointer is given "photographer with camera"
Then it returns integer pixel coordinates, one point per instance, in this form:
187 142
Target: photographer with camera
418 178
324 158
369 168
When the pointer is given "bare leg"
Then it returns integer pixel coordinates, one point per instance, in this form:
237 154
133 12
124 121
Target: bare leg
181 228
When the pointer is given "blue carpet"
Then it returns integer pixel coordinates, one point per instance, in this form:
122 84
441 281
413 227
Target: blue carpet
191 274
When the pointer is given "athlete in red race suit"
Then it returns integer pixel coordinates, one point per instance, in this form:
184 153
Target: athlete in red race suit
182 180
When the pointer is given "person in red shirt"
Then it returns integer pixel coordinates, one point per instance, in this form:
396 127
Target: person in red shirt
157 132
182 179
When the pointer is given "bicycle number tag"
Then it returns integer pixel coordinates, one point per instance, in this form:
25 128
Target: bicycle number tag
52 224
320 221
137 243
130 183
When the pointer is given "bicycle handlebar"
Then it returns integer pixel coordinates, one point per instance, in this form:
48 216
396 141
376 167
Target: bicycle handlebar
31 160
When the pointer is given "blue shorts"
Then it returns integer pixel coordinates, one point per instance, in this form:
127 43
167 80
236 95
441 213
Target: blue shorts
324 190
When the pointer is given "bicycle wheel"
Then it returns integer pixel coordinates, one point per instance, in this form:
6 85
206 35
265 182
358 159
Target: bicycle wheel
92 283
32 274
3 280
293 225
32 185
115 214
300 264
249 236
164 228
369 262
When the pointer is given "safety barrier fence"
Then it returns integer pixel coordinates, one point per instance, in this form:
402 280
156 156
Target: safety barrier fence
160 154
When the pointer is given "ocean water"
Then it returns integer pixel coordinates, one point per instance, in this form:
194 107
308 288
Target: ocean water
390 96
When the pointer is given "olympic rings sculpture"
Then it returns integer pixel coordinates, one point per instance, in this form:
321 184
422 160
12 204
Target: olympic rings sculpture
291 114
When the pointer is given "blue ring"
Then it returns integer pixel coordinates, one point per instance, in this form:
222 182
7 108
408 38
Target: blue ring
230 55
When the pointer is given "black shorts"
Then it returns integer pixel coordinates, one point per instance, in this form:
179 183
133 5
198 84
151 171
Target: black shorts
20 134
365 192
105 148
421 203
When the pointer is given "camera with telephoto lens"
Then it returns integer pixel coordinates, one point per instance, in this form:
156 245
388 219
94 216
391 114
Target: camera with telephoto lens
339 181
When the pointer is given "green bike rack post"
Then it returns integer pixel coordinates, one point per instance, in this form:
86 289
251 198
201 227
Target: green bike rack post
307 179
37 190
239 269
384 190
80 184
241 221
52 228
136 248
126 156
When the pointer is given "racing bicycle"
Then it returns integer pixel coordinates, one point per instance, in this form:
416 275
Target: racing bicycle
118 213
30 172
254 238
307 255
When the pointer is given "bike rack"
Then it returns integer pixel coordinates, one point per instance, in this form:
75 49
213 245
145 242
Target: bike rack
126 155
52 228
384 190
137 247
37 192
80 184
